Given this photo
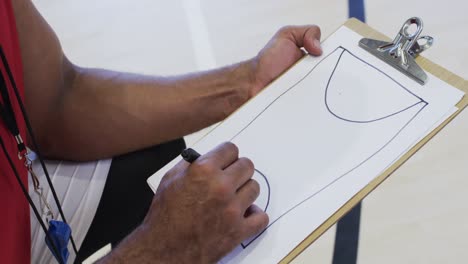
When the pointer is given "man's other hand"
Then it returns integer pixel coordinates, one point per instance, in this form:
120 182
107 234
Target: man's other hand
282 51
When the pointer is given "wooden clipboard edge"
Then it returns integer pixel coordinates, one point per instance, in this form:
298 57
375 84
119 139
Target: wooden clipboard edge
427 65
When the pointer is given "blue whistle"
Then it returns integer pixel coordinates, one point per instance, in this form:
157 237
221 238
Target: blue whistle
60 233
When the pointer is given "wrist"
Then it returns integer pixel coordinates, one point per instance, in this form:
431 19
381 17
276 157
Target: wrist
144 246
136 248
255 83
237 86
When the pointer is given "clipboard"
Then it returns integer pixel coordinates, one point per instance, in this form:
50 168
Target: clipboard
427 65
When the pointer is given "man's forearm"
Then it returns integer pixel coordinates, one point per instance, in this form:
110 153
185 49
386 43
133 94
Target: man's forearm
105 113
84 114
142 246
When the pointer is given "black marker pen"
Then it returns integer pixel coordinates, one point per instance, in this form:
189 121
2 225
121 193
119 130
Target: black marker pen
190 155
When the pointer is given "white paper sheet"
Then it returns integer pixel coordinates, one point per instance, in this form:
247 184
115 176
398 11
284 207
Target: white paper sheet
321 133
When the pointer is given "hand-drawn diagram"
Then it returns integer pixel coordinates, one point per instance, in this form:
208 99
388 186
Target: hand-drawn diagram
358 119
262 201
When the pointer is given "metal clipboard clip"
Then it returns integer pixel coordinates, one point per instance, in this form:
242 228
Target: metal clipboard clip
402 51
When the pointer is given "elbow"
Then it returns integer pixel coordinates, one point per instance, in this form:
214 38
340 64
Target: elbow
47 115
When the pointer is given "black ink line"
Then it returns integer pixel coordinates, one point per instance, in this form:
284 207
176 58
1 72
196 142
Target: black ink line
307 75
339 178
357 121
374 120
347 234
351 170
267 204
268 186
391 78
281 95
347 228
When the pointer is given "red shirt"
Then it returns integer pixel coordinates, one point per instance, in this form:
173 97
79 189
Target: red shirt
15 234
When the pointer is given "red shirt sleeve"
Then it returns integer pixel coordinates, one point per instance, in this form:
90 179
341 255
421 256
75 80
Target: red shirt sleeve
15 234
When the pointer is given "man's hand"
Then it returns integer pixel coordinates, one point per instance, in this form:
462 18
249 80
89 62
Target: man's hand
283 50
201 211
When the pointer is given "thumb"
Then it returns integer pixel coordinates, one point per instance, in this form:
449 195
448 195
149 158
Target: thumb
312 41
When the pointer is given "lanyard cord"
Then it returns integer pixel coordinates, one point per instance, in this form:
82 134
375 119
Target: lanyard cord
6 111
31 203
34 143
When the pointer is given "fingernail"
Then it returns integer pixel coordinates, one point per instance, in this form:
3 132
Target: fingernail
317 44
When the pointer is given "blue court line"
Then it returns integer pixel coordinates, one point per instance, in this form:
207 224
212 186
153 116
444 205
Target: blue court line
357 10
347 229
347 237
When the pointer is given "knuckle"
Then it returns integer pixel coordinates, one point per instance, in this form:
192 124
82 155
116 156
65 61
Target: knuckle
255 188
285 29
221 190
167 179
264 221
260 223
315 30
232 212
247 163
253 191
203 168
231 146
167 176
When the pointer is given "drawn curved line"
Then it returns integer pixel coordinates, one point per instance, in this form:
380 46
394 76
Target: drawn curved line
373 120
269 188
364 121
305 76
337 179
266 206
344 174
